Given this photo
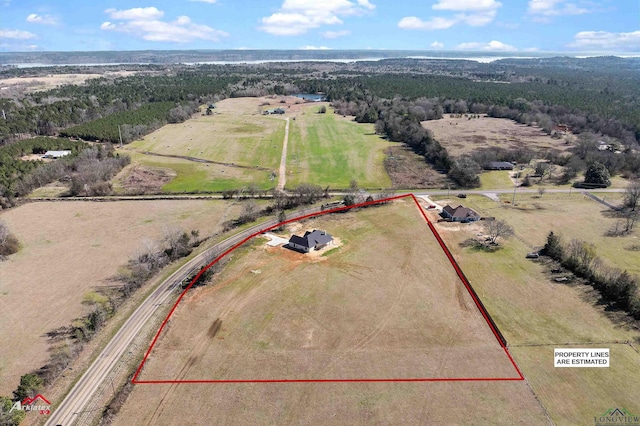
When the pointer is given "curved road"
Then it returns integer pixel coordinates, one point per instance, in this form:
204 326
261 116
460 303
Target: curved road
80 395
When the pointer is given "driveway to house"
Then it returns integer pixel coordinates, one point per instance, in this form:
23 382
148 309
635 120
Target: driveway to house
282 179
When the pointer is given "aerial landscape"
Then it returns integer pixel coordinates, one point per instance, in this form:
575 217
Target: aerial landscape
350 212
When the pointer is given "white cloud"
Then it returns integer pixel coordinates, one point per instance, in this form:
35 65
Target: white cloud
603 40
138 13
437 45
415 23
543 10
335 34
465 5
41 19
475 13
145 23
297 17
494 46
315 48
367 4
16 34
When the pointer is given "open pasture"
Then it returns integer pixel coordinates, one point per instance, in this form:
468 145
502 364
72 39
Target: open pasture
69 249
231 148
462 135
327 149
385 304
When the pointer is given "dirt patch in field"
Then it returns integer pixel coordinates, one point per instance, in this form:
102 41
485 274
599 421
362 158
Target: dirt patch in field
68 249
144 180
462 135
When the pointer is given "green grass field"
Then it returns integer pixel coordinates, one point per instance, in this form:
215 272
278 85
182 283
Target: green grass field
249 144
327 149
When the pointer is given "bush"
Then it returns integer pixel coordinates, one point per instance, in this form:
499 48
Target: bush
9 244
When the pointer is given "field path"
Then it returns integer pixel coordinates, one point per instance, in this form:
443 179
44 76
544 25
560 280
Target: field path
282 179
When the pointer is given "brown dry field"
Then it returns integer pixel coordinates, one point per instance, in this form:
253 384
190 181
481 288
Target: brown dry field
68 249
537 315
462 136
34 84
386 304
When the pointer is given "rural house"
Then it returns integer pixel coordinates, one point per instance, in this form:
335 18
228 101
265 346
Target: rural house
459 214
309 241
499 165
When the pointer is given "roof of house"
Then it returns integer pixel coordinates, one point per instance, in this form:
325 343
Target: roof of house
500 165
460 211
311 239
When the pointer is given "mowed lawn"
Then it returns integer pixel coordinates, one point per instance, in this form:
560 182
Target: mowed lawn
247 146
69 249
328 149
385 304
537 315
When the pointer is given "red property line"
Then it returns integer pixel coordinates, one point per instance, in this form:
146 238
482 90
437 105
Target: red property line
216 260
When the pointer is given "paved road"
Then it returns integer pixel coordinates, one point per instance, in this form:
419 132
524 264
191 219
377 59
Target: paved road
80 395
282 179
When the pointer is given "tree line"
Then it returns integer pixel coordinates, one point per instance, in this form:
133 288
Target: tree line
614 285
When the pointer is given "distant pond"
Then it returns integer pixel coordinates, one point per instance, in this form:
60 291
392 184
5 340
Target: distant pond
314 97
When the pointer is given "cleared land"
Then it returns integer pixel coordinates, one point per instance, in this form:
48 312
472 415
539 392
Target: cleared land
462 136
34 84
241 145
537 315
69 249
383 305
328 149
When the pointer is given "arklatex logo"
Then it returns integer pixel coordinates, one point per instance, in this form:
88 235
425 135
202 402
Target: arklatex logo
38 404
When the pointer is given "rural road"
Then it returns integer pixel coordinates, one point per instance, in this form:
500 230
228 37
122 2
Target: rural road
282 179
332 193
83 391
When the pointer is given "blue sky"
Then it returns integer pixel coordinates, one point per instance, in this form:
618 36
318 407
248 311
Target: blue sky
605 26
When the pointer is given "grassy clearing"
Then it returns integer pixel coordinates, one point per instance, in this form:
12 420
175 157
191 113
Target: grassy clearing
331 150
385 304
530 309
497 179
198 177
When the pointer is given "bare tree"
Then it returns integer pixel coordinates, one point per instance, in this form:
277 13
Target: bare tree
631 217
541 191
497 229
632 195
